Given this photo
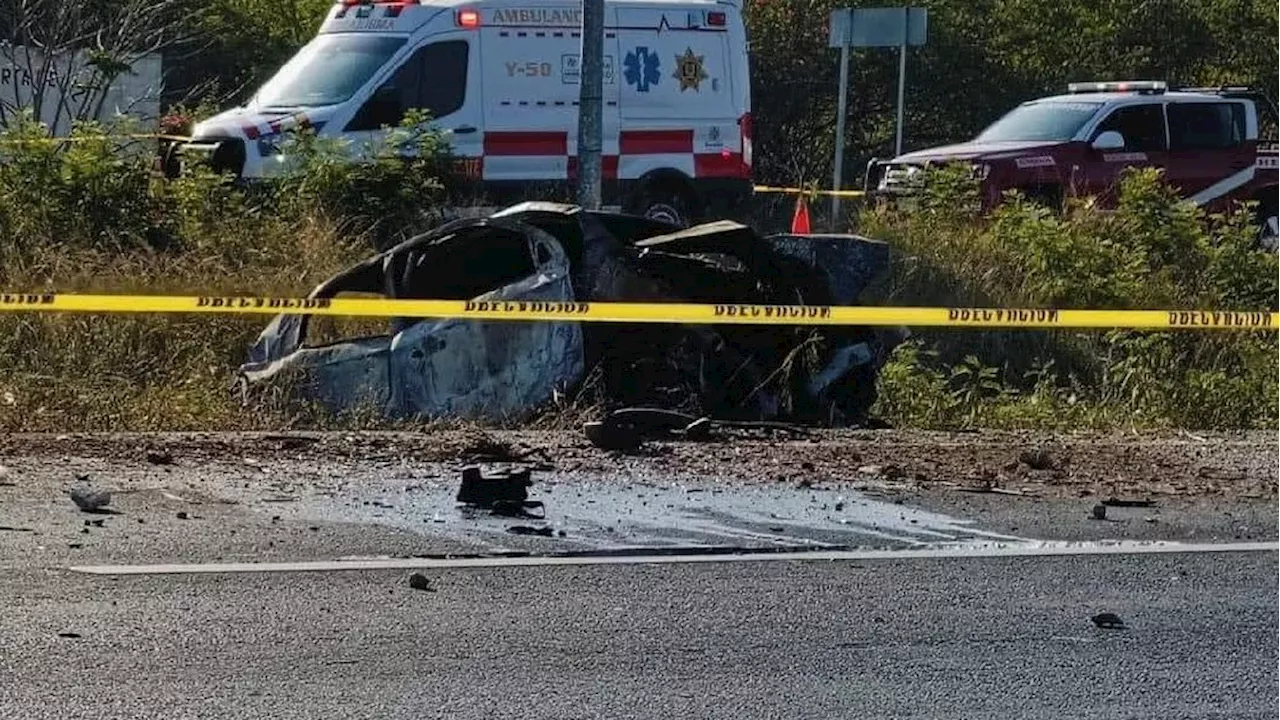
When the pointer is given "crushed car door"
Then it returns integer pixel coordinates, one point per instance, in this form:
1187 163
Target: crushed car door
467 368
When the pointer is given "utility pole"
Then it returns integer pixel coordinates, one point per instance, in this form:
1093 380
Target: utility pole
591 104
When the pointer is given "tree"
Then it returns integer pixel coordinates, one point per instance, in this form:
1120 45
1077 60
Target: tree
63 58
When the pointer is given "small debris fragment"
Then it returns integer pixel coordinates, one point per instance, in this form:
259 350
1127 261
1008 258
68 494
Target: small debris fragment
699 429
159 457
1038 459
840 506
69 635
807 466
418 581
89 499
609 437
508 508
528 530
1114 502
806 483
1099 512
1109 621
182 515
483 491
10 528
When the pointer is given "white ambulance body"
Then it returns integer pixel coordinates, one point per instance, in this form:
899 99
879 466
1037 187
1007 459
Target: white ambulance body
501 79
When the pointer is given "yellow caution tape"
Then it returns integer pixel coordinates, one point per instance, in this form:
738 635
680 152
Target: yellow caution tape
802 191
682 313
87 138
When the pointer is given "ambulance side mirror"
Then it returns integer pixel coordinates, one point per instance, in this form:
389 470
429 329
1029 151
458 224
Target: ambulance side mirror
1109 140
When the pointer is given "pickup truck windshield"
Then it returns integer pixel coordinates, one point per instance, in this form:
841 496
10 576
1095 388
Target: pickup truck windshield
1040 121
327 71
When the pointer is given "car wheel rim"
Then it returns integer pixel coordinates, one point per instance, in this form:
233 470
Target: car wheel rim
665 213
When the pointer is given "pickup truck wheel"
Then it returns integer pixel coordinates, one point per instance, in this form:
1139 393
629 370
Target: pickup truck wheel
1268 226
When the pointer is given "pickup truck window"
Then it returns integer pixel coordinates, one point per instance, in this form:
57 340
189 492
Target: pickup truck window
1141 125
1206 126
1040 121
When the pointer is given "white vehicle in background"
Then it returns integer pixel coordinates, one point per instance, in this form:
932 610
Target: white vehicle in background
500 78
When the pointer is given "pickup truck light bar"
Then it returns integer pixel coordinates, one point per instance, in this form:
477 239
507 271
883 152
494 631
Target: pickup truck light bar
1140 86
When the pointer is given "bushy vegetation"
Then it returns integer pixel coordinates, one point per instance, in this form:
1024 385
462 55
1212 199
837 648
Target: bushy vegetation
90 216
1154 251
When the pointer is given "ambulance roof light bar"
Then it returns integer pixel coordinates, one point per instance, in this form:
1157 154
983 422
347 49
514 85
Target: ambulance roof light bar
1155 87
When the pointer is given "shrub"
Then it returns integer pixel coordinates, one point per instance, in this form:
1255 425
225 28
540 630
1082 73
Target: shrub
1154 251
84 217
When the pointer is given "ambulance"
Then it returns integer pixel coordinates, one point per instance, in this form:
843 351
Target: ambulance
500 80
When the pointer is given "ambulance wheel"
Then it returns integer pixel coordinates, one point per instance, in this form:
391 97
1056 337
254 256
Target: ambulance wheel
662 201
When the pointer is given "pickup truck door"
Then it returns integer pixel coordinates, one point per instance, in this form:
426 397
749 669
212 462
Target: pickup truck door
1210 155
1145 145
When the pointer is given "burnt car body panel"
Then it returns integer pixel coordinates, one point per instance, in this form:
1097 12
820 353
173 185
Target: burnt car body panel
431 368
500 370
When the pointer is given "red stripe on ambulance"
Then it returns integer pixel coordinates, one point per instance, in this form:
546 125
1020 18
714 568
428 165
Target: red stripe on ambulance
721 165
608 167
654 142
526 143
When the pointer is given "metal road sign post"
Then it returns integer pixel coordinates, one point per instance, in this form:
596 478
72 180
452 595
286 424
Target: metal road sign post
591 104
864 28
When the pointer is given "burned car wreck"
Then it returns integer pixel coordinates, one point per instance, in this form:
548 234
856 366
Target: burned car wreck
421 368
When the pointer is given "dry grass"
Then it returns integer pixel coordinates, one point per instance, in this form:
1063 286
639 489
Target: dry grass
151 372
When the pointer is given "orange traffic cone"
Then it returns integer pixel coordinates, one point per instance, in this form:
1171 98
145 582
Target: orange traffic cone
800 222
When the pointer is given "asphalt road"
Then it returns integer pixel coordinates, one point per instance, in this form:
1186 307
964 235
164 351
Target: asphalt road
971 639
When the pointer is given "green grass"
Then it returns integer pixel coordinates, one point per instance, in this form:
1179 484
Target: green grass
1153 252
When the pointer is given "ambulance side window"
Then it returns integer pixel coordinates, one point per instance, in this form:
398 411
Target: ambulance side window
434 79
443 76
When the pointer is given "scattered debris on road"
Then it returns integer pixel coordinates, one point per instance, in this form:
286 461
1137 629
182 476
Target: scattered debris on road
1099 512
545 252
70 635
1109 621
418 581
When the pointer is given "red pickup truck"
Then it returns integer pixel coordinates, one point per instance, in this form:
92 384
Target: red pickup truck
1206 140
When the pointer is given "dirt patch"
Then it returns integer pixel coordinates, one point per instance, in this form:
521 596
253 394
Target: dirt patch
1122 465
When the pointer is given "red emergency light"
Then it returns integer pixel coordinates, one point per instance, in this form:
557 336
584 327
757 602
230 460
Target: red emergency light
469 19
716 19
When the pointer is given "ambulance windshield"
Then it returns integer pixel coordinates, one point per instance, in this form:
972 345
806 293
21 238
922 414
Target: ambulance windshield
328 71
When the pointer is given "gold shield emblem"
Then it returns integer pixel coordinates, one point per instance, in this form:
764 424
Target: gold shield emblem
689 70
